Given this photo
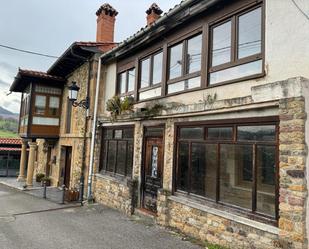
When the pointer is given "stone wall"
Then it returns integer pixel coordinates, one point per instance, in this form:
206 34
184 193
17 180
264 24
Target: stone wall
293 187
209 224
115 193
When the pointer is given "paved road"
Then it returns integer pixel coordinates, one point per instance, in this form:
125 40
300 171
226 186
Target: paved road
95 226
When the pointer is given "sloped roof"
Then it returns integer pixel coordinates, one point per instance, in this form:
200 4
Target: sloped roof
25 77
174 17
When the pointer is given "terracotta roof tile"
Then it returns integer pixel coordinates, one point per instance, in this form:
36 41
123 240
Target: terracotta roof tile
44 75
10 141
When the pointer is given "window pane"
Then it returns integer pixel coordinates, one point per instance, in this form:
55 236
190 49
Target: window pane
54 105
198 169
194 55
175 61
111 156
122 82
129 158
266 168
237 72
249 36
184 85
235 171
128 133
154 132
156 92
220 133
257 133
145 66
121 158
157 68
192 133
183 167
45 121
221 44
108 133
131 80
211 170
40 103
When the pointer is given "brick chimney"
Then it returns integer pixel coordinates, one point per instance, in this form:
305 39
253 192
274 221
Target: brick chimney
106 23
153 13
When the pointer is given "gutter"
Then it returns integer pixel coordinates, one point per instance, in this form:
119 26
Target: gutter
93 132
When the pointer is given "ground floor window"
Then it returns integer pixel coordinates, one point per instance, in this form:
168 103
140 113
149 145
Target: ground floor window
117 150
232 164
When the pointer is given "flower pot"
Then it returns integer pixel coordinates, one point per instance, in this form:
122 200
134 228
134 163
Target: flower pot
71 195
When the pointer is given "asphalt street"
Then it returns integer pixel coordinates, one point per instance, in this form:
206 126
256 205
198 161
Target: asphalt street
30 222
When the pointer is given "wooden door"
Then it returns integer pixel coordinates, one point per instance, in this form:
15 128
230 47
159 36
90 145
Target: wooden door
152 173
67 167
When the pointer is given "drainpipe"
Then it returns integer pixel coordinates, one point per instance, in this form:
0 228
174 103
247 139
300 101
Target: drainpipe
94 125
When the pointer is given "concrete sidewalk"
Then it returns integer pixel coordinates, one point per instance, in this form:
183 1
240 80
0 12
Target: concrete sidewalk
88 227
53 194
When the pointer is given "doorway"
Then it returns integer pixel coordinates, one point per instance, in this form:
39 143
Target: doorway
152 167
67 166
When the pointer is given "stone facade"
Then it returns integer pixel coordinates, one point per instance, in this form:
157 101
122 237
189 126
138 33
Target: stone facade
115 193
293 185
216 224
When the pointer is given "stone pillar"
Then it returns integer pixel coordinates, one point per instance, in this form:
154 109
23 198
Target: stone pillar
23 158
292 168
162 206
31 161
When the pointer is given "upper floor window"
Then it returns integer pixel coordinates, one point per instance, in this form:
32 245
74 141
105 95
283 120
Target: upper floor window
126 82
151 76
236 47
184 65
40 104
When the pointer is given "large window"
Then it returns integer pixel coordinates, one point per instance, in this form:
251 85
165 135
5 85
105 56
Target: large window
230 164
151 76
126 82
117 151
184 65
46 108
236 47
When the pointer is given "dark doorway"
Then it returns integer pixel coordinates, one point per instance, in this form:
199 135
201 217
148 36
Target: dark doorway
67 166
152 169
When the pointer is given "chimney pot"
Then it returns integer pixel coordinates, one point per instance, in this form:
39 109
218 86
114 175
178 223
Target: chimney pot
153 13
106 23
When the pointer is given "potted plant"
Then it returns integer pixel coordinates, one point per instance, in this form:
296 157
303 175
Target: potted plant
72 195
39 176
47 180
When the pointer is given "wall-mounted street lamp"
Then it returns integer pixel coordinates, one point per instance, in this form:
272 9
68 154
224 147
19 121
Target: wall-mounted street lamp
73 91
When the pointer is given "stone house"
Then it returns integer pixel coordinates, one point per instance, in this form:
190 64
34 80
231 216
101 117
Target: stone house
59 134
215 145
208 127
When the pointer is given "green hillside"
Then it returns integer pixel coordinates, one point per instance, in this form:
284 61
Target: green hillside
8 127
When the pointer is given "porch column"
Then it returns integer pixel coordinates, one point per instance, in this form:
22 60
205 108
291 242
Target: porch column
22 166
31 160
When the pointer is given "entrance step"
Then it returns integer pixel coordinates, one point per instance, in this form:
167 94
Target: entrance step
144 216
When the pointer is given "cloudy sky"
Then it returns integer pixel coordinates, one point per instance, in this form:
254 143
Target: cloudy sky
50 26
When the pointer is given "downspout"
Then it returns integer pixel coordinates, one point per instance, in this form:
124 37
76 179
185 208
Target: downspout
94 125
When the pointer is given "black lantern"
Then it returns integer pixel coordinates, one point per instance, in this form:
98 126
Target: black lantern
73 91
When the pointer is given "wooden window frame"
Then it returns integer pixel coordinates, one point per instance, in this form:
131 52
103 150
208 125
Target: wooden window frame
235 61
228 123
104 156
184 75
151 64
47 111
126 93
